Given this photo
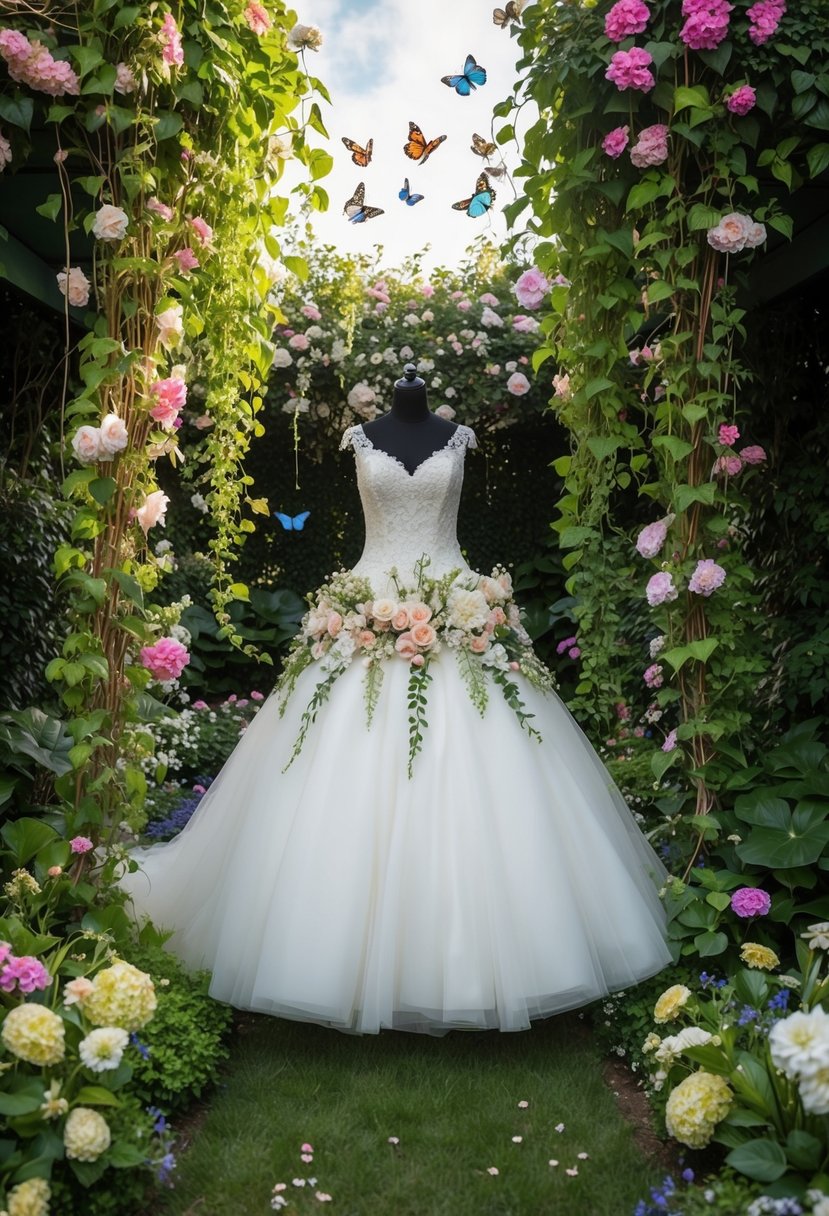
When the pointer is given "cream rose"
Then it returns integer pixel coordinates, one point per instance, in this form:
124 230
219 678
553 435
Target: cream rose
86 444
367 638
114 437
111 223
170 325
384 610
467 609
76 285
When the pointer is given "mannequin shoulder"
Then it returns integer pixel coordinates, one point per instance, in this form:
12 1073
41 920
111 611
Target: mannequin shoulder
354 437
464 437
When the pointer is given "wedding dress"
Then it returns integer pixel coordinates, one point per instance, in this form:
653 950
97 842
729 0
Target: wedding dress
504 880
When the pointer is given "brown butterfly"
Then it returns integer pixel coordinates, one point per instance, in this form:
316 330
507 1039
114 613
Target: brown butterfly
482 147
356 208
512 12
360 156
416 147
496 170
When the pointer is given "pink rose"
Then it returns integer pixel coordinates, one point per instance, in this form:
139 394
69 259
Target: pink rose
299 342
114 437
753 454
654 677
427 290
172 52
405 647
55 871
464 305
257 696
748 902
661 589
670 741
650 540
202 229
86 444
335 624
110 224
626 18
765 16
125 81
313 314
366 638
80 844
417 661
615 142
707 577
159 208
419 613
186 259
153 510
170 396
730 465
651 148
518 384
523 324
741 100
531 288
734 232
75 285
561 387
77 991
257 18
423 635
631 70
400 620
728 435
479 645
200 705
166 659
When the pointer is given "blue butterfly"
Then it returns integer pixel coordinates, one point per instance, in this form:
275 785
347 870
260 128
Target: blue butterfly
481 200
472 76
406 195
292 523
356 208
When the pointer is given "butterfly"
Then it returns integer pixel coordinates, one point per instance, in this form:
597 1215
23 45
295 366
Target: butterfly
292 523
406 195
472 76
481 147
416 147
356 210
360 156
512 12
496 170
481 200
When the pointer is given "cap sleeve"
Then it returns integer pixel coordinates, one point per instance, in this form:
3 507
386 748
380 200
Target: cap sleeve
464 437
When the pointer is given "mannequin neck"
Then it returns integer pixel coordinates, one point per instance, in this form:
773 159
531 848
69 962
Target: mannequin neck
410 404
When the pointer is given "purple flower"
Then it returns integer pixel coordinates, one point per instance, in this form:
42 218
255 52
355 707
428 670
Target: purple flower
670 741
615 142
661 589
750 901
80 844
27 973
565 645
707 577
574 652
650 540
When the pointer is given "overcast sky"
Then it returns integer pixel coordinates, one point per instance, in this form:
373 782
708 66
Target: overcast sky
382 61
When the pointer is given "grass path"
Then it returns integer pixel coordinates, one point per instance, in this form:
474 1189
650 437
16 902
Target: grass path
453 1104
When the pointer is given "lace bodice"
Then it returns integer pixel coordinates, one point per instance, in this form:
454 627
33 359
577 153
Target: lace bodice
407 514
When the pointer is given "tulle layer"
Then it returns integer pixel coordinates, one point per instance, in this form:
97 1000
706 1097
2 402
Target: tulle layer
507 880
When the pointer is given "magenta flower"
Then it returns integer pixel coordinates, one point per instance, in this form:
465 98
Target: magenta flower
615 142
741 100
80 844
165 659
199 789
750 901
670 741
765 16
707 577
200 705
661 589
631 70
728 435
753 454
650 540
654 676
5 952
706 23
565 645
170 396
27 973
626 18
651 148
257 696
574 652
531 288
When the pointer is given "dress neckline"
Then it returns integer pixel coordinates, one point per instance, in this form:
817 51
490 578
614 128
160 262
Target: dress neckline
449 446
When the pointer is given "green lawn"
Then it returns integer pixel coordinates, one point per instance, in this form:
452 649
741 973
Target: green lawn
453 1103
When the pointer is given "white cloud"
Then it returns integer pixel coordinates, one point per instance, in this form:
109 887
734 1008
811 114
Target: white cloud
383 65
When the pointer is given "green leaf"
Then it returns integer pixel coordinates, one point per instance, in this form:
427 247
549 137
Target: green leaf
102 489
602 447
25 837
703 649
17 111
701 216
297 266
660 290
541 356
804 1150
709 943
693 95
762 1160
51 208
686 495
678 448
168 124
96 1095
642 194
817 159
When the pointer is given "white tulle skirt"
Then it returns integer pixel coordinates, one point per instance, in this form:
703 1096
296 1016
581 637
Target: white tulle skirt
507 880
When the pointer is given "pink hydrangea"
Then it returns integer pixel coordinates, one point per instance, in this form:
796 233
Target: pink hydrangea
753 454
741 100
750 901
170 396
615 142
626 18
670 741
166 659
631 70
531 288
650 540
728 435
81 844
26 973
172 51
651 148
707 577
730 466
32 64
706 23
765 16
654 676
661 589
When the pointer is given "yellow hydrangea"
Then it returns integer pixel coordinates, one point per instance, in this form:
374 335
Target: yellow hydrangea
34 1034
759 956
696 1106
29 1198
86 1134
671 1001
121 996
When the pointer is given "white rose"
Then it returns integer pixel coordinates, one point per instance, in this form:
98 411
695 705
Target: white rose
384 610
170 326
282 357
113 432
86 444
111 223
406 352
76 285
468 610
313 331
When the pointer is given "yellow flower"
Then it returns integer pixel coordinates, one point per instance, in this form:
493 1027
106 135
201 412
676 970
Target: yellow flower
29 1198
86 1134
759 956
34 1034
651 1043
696 1106
671 1001
121 996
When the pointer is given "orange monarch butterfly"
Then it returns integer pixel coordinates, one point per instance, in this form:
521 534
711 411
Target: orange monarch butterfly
512 12
360 156
416 147
482 147
356 208
481 200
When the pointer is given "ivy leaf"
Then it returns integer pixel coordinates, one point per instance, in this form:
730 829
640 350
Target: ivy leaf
817 159
168 124
691 95
17 111
51 208
678 448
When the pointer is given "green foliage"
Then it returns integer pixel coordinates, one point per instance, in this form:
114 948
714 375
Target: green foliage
191 743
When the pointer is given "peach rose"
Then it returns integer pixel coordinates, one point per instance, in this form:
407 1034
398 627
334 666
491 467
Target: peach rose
114 436
86 444
76 285
405 647
367 638
400 620
384 610
497 616
423 635
479 645
335 624
76 991
153 510
419 613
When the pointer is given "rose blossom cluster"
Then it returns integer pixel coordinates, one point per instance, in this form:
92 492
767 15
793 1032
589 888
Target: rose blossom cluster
92 443
626 18
165 659
32 64
736 232
706 23
631 70
741 100
531 288
651 148
765 16
169 397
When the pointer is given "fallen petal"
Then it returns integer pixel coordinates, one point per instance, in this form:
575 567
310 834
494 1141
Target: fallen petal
559 1127
573 1171
493 1169
552 1162
523 1104
517 1139
582 1156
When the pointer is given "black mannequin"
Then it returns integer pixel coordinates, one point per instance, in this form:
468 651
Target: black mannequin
410 432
